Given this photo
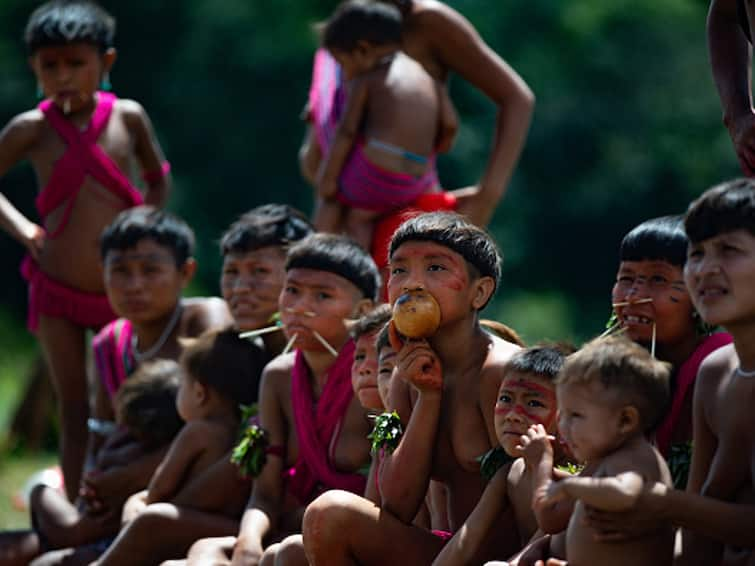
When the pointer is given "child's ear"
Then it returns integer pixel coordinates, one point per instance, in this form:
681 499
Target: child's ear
201 391
188 269
363 307
483 288
629 419
108 58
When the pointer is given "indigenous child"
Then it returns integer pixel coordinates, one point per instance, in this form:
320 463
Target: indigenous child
147 257
254 253
395 119
527 397
81 141
610 395
653 307
719 274
444 42
451 423
146 409
364 372
220 372
316 428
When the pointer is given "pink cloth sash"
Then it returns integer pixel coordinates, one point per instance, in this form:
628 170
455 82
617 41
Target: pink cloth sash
316 425
363 184
113 354
51 298
83 157
684 380
327 98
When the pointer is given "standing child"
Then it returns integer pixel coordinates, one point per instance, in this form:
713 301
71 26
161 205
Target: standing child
611 394
456 374
527 397
81 142
395 119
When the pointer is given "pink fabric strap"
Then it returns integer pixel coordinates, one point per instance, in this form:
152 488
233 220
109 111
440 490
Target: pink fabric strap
316 425
83 157
113 354
326 98
684 380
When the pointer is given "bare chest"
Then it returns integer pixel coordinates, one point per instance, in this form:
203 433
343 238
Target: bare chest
115 140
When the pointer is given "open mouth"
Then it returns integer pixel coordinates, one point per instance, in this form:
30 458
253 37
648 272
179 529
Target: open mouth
637 319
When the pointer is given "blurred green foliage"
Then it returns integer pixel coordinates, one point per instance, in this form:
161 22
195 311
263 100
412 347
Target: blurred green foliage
627 127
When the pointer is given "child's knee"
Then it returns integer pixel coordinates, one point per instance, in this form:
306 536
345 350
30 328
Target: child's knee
270 554
327 516
291 552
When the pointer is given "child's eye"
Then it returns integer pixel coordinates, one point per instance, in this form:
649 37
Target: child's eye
291 290
230 271
504 398
323 296
535 403
358 357
385 370
658 279
435 267
397 270
695 253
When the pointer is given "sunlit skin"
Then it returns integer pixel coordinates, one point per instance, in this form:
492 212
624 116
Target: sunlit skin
70 74
316 301
588 424
364 372
144 282
670 309
720 273
524 399
251 283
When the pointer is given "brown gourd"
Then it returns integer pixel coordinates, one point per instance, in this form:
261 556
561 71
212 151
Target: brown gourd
416 314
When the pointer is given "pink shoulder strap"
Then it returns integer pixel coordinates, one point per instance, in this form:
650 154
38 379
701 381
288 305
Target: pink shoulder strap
82 157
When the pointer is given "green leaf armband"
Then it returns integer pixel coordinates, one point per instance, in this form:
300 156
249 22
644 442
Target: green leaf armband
387 432
250 454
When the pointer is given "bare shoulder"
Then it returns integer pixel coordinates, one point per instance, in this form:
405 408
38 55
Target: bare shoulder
640 457
197 433
25 128
203 313
277 372
133 113
433 12
716 366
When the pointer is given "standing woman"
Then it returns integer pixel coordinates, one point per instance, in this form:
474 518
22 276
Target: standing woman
443 41
652 307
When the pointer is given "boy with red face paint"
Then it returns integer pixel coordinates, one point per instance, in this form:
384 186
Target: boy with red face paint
317 428
527 397
451 423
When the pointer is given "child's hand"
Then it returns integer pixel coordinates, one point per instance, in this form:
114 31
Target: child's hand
535 444
418 365
34 240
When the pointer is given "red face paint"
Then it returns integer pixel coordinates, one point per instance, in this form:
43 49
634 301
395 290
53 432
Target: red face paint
518 405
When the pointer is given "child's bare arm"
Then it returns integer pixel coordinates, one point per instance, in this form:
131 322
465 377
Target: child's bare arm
616 493
346 134
463 547
552 516
16 139
148 152
370 491
261 514
705 442
190 443
405 474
